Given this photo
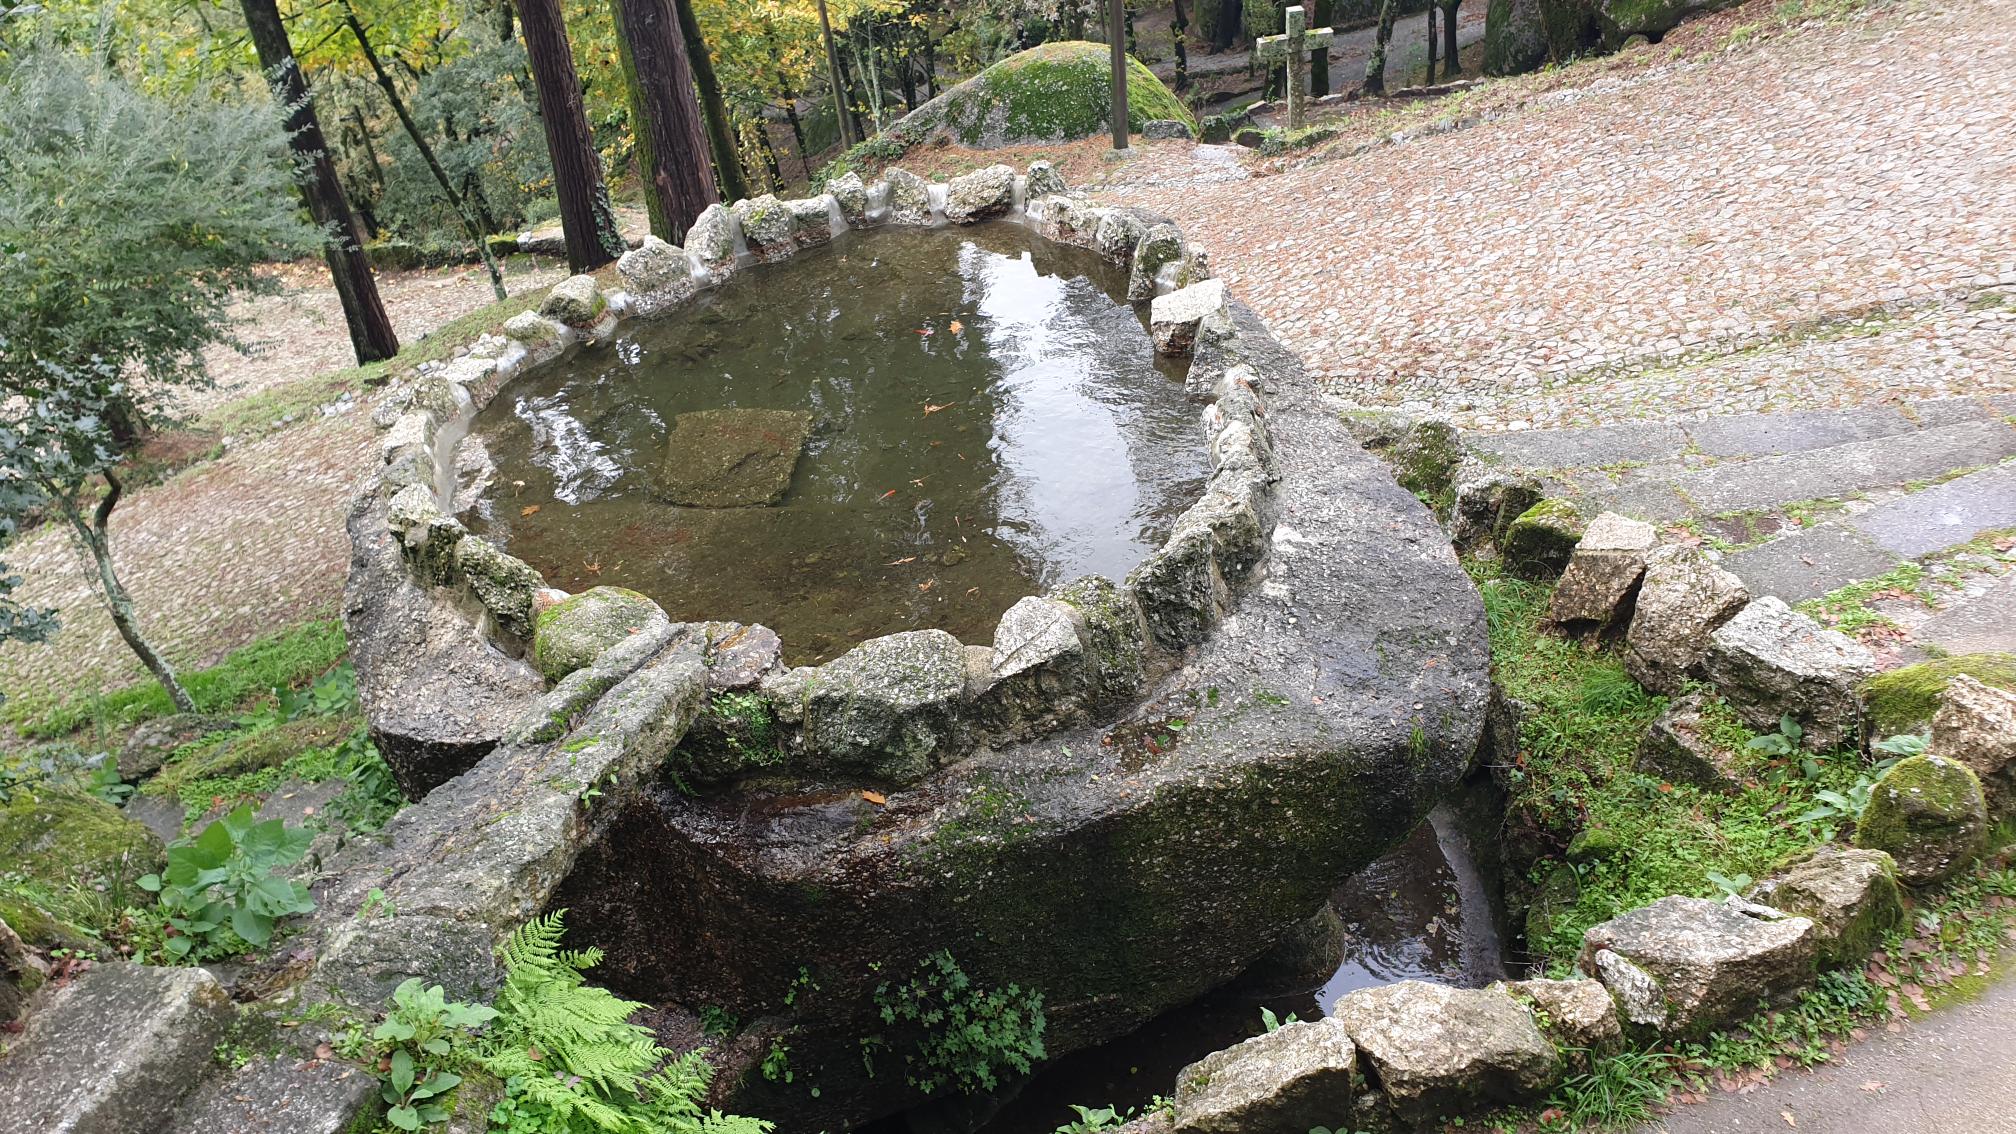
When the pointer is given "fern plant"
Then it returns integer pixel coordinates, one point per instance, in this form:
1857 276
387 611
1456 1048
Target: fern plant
572 1060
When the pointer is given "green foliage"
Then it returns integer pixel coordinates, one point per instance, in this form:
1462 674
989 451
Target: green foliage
572 1060
219 891
1617 1092
971 1035
1272 1023
1847 609
1782 743
418 1039
1907 697
282 660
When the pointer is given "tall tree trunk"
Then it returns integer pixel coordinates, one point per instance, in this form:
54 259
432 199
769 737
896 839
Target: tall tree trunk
850 133
504 21
931 66
1451 65
1128 19
376 175
720 131
1178 25
1430 79
770 163
1375 65
1230 14
455 201
674 164
585 213
1321 13
371 334
95 535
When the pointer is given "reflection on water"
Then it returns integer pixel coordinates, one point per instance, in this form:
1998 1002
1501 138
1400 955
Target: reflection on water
1424 912
987 420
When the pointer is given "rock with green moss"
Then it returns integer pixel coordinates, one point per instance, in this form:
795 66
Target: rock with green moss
535 331
296 1092
1160 246
1424 456
732 458
1603 573
576 301
573 632
1039 674
1057 92
1905 699
62 838
1577 1015
1683 966
1540 542
1486 501
504 584
1976 725
237 753
890 708
1851 896
1120 230
1439 1051
147 747
1682 600
653 266
1514 39
980 195
1115 634
1930 815
1296 1077
1677 748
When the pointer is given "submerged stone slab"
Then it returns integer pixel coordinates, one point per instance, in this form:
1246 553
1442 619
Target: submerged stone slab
1771 661
1682 966
1682 599
1293 1078
113 1052
1440 1051
732 458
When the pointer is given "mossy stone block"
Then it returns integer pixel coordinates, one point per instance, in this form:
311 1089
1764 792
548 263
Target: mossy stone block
574 631
1540 542
1930 815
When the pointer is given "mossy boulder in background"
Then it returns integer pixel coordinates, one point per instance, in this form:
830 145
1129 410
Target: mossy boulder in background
574 631
61 838
1058 92
1930 815
1904 699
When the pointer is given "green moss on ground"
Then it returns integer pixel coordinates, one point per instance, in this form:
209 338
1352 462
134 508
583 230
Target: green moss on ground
227 764
1904 699
63 838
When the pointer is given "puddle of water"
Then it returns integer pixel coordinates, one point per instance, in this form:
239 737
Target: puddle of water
983 418
1424 912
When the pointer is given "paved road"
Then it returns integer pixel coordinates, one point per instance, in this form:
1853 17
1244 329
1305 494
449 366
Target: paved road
1954 1073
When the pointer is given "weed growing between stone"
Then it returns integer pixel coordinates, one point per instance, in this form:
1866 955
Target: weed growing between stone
971 1037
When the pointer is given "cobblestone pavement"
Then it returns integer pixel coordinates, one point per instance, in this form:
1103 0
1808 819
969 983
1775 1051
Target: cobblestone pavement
1733 208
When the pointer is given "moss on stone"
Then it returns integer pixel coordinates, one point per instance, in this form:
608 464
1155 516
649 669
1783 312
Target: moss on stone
62 838
1537 544
1904 699
571 633
1929 814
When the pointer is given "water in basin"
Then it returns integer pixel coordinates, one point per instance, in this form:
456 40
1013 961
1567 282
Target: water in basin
899 430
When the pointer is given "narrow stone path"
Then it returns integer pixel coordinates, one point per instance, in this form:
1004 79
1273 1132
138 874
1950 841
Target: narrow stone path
1950 1073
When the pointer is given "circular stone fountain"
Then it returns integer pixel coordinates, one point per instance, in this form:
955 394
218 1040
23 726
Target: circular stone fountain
1115 802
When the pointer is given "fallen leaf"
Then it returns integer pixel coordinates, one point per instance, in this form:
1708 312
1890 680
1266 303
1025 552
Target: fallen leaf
875 797
887 494
528 509
324 1051
930 409
1787 1116
901 562
925 331
1873 1085
956 327
591 568
927 584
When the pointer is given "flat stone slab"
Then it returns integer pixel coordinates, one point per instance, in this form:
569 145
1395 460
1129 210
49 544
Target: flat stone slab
112 1053
1984 623
1943 515
732 458
1583 448
1764 434
1811 563
276 1093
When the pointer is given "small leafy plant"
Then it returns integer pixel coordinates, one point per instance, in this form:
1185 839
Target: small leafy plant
422 1031
219 890
1781 744
972 1036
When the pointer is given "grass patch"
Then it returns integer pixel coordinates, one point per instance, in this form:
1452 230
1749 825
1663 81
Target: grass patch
1578 737
1847 609
286 659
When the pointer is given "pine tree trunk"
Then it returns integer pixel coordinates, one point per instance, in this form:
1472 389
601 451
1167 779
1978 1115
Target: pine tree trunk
585 214
1375 66
1230 14
1429 81
720 132
1451 65
455 201
1178 24
96 538
371 335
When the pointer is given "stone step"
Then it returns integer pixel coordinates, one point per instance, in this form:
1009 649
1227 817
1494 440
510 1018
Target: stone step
1816 474
114 1052
1728 437
279 1093
1829 556
1975 624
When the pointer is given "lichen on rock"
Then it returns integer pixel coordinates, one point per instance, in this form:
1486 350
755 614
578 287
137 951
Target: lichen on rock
1929 814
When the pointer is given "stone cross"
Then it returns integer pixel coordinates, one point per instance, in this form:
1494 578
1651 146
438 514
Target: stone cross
1293 48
